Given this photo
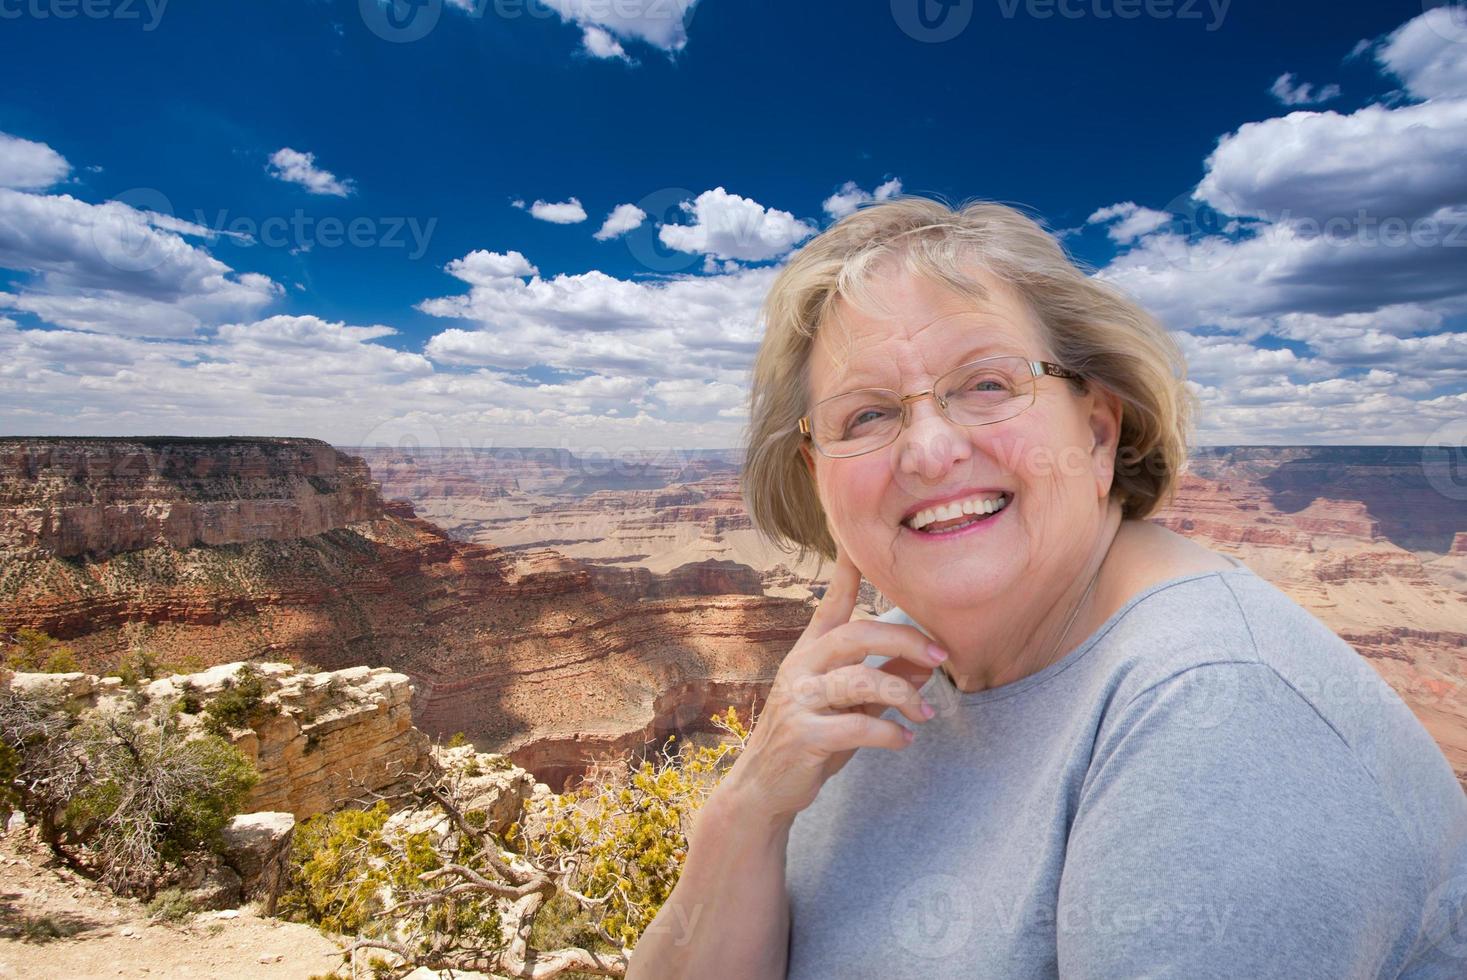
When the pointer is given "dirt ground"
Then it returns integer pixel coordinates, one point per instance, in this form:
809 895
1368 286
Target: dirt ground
55 923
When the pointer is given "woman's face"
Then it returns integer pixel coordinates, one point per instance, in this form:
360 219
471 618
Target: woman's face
1054 461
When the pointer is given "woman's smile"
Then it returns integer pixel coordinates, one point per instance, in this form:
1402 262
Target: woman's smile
961 526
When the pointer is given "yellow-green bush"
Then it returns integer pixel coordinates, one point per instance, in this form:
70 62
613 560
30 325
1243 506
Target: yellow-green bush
628 830
583 872
31 650
346 867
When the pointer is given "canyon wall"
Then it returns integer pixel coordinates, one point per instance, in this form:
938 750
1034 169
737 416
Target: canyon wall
1413 492
100 497
710 577
524 649
317 740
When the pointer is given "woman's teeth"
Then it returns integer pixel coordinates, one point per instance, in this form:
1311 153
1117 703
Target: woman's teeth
979 506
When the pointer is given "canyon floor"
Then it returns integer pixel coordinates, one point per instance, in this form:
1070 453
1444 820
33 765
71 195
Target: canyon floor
102 935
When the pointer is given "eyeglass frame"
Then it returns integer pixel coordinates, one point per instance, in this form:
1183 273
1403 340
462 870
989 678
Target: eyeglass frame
1037 369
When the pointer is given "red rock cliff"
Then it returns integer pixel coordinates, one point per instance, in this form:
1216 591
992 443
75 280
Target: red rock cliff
283 548
99 497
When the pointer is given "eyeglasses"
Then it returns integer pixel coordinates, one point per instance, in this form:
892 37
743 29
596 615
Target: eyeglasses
982 392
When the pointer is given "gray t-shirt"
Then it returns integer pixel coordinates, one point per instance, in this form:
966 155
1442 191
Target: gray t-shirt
1213 784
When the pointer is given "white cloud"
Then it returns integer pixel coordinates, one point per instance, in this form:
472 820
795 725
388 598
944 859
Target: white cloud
713 266
600 44
605 24
1289 93
850 196
1429 53
687 393
622 219
1329 308
27 166
481 268
1277 269
660 23
279 376
687 327
112 267
1404 162
295 167
565 213
1128 221
305 332
732 227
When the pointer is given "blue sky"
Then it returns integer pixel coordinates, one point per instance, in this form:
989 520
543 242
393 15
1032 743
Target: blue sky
293 217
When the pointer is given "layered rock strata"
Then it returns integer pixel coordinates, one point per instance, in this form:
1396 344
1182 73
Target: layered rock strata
524 650
317 740
97 497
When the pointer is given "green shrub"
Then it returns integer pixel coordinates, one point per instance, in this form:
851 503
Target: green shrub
42 763
171 905
61 661
136 666
39 928
343 864
333 884
154 797
588 871
139 664
126 793
190 700
9 771
239 701
189 663
32 651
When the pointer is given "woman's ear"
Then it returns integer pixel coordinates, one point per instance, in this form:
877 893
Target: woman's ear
809 459
1106 410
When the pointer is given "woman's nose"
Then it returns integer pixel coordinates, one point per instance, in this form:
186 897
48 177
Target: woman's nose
930 444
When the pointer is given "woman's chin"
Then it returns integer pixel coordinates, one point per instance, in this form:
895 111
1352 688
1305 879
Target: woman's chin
957 581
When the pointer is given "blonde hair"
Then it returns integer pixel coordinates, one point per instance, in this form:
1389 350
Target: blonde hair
1092 328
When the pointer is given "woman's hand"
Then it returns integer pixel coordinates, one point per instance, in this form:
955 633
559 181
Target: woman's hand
805 733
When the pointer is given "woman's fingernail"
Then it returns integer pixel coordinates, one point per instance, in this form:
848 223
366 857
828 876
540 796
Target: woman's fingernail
936 653
927 710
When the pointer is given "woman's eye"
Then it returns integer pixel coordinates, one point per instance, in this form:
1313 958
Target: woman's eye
865 415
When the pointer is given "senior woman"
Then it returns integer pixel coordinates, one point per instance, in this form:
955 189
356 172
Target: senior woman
1137 758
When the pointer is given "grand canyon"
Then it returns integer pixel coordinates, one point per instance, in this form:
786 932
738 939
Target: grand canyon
559 610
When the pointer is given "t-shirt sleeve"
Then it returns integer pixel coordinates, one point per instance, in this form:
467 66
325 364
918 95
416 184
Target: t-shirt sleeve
1224 829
